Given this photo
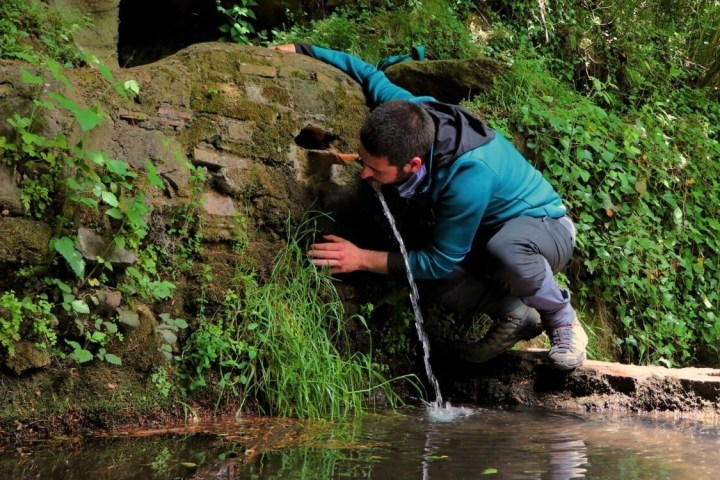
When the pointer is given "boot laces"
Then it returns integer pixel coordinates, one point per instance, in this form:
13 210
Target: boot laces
562 339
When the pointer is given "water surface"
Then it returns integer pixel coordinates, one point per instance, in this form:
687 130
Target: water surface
489 443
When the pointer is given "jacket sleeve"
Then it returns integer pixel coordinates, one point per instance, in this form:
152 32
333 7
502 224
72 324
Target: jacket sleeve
461 202
376 86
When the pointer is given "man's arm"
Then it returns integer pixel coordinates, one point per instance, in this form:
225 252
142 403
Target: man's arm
377 87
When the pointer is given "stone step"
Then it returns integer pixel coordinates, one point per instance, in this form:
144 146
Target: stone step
522 377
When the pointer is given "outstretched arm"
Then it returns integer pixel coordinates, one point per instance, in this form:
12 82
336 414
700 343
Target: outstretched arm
377 87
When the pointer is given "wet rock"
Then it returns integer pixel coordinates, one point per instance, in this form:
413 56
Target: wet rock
111 298
129 318
219 205
27 357
140 349
523 378
92 246
10 193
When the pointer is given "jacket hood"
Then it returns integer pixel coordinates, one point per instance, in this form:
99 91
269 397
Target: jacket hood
456 131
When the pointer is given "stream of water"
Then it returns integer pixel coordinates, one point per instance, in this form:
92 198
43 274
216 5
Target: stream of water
414 300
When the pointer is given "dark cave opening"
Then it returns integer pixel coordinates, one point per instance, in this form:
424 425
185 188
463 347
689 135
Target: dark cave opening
152 29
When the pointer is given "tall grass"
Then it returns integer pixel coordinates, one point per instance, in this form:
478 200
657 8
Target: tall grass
306 366
285 343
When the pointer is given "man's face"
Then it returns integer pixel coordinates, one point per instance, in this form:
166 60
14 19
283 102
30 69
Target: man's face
378 169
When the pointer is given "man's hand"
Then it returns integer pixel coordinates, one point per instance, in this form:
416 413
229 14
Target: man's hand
290 47
343 256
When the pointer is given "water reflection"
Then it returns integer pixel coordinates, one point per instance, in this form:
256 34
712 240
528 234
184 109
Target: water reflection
497 444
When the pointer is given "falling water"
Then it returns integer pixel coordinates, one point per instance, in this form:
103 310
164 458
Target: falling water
414 299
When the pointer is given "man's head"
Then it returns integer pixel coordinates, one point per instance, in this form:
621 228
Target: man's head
395 139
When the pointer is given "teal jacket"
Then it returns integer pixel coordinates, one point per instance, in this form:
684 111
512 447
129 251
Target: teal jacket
481 182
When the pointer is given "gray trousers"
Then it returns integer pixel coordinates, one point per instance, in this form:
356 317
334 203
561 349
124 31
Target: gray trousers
511 262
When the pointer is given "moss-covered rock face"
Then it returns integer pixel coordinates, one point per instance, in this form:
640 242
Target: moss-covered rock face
232 112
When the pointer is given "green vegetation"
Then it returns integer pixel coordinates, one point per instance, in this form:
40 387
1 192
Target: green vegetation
30 29
373 32
239 27
284 342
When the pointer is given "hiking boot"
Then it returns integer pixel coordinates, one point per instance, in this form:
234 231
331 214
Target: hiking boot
521 323
568 346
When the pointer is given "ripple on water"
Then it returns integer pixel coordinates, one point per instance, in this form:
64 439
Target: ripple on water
447 413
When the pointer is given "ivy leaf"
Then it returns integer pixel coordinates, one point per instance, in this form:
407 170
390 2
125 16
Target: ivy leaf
66 247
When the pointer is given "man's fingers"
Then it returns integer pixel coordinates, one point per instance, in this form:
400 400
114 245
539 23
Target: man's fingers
327 262
334 238
327 246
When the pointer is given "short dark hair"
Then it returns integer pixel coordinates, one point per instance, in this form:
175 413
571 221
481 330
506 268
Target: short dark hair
399 130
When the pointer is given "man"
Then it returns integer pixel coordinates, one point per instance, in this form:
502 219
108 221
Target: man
499 229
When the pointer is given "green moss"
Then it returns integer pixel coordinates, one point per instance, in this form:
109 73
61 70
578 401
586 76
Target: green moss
201 128
347 118
90 392
276 94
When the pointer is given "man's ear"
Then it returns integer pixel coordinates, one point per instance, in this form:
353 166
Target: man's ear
414 164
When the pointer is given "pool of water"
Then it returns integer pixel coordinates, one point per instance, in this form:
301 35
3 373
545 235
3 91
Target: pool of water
485 443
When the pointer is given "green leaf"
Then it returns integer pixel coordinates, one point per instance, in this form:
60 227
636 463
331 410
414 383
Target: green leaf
489 471
66 247
113 359
56 71
96 156
114 213
81 355
87 118
105 72
109 198
153 176
80 306
118 167
28 77
132 86
163 289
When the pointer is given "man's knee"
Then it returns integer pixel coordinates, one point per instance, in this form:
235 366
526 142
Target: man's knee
519 264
